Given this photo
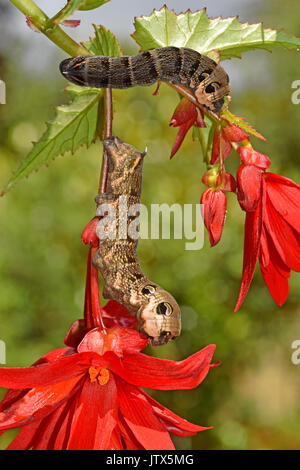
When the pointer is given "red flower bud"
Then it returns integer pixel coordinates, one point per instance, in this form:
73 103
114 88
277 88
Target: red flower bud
214 213
249 187
252 157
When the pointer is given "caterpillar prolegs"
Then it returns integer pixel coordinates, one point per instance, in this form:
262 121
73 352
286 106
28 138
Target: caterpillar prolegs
157 312
181 66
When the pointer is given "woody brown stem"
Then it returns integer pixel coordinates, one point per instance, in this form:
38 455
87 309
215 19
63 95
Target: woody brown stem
107 132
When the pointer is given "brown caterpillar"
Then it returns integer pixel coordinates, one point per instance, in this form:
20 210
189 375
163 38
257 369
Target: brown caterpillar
181 66
157 311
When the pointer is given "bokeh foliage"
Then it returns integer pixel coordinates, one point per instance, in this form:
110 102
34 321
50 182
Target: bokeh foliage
252 398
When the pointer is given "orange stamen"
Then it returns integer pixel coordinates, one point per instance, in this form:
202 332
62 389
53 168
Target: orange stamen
100 374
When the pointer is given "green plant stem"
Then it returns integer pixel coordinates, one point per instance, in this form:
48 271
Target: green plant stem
53 32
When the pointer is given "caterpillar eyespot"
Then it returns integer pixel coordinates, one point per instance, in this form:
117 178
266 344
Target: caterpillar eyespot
180 66
148 290
157 311
164 309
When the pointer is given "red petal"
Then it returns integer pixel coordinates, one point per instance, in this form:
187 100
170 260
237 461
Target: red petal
116 339
129 439
283 237
214 213
275 273
180 136
253 228
174 423
75 333
37 403
252 157
249 180
95 417
184 112
47 374
284 195
49 427
161 374
115 314
25 438
139 416
278 285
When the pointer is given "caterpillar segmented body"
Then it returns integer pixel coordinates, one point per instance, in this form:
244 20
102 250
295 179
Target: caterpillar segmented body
181 66
157 311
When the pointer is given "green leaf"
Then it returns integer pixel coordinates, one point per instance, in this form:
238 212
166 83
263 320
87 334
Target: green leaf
104 43
239 121
74 124
196 31
74 5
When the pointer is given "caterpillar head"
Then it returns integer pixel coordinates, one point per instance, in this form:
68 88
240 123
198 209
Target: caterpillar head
159 314
213 87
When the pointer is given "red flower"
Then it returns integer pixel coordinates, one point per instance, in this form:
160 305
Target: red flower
214 202
185 116
214 213
90 397
272 234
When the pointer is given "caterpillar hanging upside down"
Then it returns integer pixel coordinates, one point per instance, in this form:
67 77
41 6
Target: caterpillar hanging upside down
157 312
180 66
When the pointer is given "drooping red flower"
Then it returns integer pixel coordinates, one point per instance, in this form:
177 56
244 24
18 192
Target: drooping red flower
214 202
185 116
89 397
214 212
272 234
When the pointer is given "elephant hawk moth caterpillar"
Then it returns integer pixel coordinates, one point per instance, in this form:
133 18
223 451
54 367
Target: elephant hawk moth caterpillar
157 312
180 66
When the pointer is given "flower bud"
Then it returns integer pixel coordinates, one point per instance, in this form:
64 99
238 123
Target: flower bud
214 213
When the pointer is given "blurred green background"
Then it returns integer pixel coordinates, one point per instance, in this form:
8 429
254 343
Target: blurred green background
252 399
